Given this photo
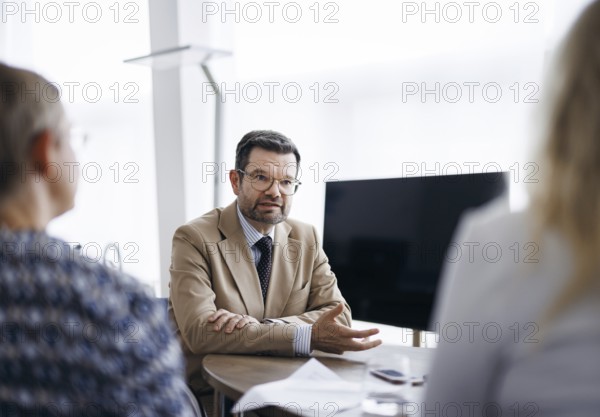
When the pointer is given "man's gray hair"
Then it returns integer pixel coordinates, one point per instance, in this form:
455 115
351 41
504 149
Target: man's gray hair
29 104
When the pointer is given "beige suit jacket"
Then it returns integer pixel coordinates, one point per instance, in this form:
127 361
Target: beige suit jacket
212 268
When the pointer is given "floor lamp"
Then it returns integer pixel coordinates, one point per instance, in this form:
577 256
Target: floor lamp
192 55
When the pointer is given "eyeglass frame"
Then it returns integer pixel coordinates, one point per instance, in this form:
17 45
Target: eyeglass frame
273 179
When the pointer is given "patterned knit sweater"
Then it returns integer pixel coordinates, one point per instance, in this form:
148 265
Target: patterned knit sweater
78 338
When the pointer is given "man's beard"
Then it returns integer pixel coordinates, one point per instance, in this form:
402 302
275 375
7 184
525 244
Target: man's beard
273 218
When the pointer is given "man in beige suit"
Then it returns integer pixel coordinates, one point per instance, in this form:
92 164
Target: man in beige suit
245 279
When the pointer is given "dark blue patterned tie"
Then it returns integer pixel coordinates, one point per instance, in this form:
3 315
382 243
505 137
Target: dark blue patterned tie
264 265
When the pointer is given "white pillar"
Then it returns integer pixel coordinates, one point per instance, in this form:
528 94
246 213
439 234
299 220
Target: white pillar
168 135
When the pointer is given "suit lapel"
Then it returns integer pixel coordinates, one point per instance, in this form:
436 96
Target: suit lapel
286 258
237 255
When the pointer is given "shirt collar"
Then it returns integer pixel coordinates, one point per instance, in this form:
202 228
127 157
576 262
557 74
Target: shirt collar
252 235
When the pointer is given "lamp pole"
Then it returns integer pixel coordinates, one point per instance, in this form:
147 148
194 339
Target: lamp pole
187 55
217 129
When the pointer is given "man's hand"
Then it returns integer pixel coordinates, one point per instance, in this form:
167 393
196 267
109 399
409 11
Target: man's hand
229 321
329 336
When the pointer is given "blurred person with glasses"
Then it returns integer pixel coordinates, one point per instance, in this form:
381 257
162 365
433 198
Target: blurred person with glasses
246 279
76 337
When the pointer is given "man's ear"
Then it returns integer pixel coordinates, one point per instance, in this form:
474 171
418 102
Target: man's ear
234 178
43 151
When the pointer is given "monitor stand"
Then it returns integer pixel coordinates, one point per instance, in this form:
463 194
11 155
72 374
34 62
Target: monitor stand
417 338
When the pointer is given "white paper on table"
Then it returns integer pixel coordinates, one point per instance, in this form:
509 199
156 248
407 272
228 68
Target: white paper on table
313 390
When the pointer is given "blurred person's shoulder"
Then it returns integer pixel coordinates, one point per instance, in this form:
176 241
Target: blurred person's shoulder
506 255
496 220
496 223
95 308
107 288
481 259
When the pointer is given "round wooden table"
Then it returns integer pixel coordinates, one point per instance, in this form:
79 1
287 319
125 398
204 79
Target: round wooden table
233 375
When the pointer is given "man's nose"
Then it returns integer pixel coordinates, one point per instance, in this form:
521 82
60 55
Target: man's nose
273 190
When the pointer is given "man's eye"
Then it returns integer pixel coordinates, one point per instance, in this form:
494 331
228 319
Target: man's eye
286 183
260 177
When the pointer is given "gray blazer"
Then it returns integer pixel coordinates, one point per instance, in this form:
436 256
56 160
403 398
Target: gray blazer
497 354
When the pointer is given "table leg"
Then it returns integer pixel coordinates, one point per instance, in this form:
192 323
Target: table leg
219 404
417 338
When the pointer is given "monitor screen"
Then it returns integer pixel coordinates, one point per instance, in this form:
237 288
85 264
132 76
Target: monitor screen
386 240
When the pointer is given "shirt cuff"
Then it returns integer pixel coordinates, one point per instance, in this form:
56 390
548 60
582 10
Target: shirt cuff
302 340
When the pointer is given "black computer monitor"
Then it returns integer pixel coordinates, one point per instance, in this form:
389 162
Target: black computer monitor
386 240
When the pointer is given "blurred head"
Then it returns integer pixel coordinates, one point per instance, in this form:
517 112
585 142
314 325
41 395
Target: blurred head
265 177
568 198
34 141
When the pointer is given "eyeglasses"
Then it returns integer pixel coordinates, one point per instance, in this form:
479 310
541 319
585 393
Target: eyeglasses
261 182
